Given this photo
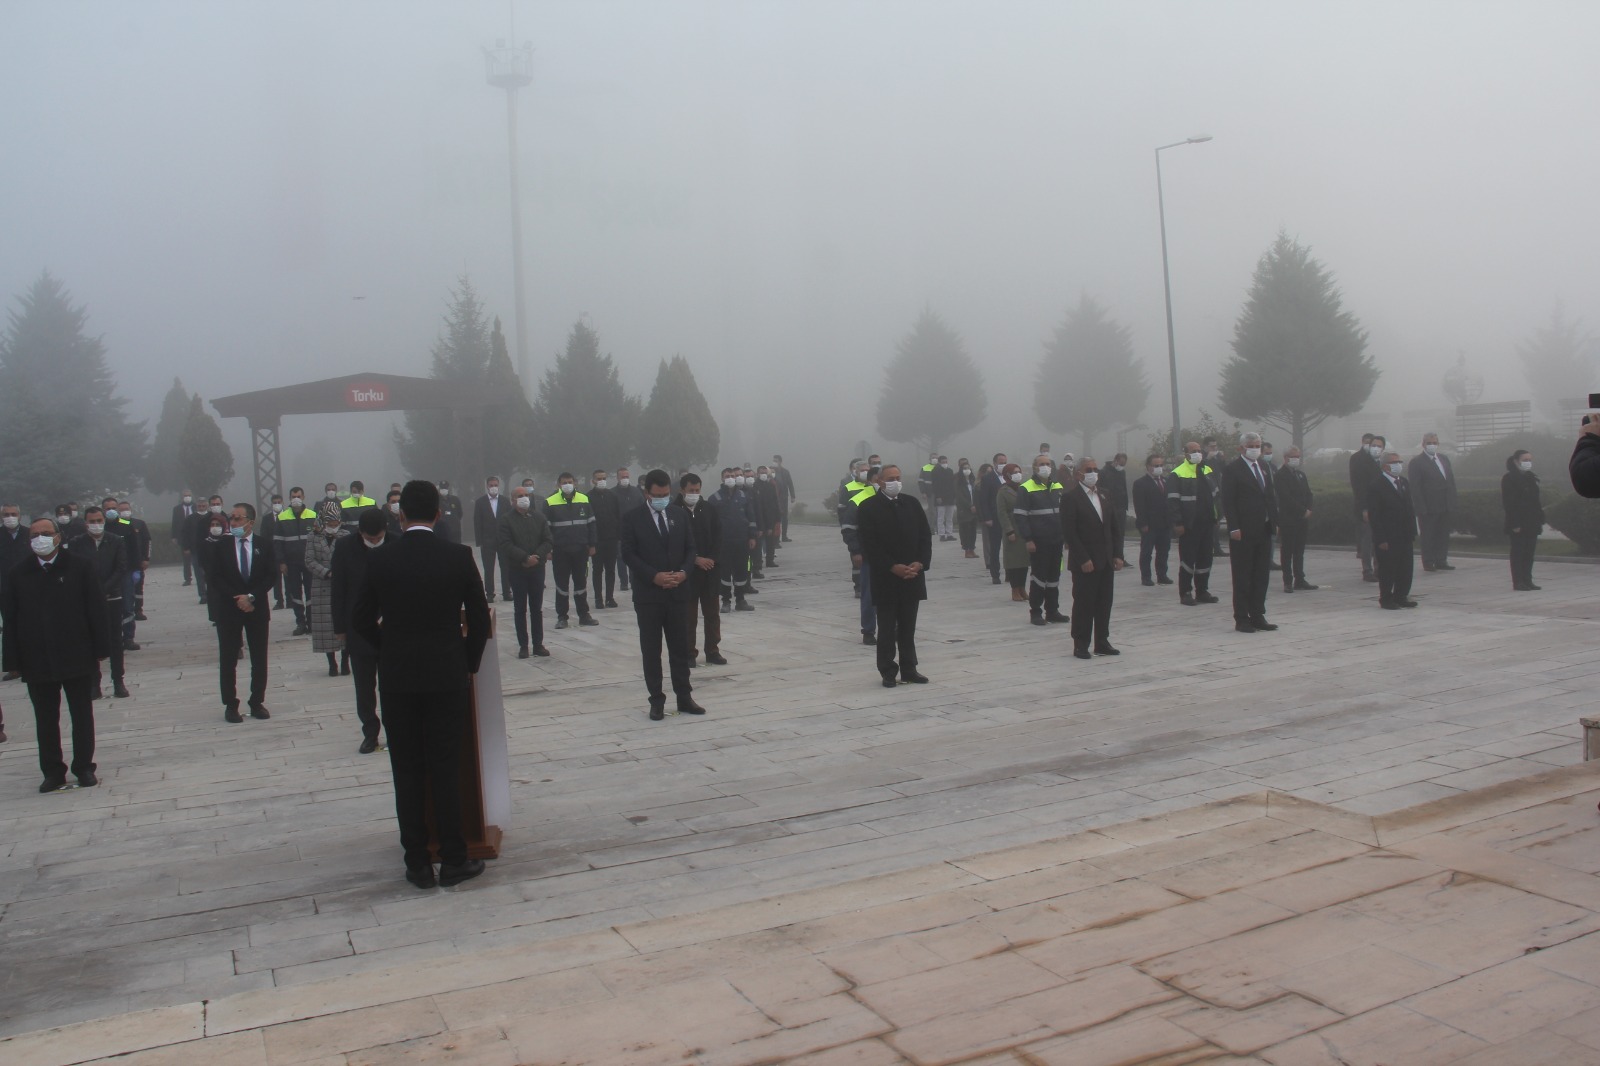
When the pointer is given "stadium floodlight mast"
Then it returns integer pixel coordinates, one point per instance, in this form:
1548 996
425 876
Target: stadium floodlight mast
1166 282
510 68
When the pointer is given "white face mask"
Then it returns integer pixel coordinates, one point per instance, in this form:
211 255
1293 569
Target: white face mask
944 466
1375 451
394 508
1252 454
891 489
1396 468
187 500
691 498
1016 479
494 490
1431 449
216 508
96 528
1157 471
763 477
1292 463
1524 464
280 507
742 480
523 503
9 521
297 502
216 531
1044 473
624 481
1195 457
1092 478
600 484
332 494
372 543
42 545
729 482
568 488
860 477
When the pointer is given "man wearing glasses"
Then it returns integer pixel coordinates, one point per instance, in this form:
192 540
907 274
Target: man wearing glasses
243 571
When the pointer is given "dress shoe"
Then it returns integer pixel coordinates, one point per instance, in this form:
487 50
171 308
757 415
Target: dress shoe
344 666
119 690
53 784
423 878
913 677
333 669
1206 597
657 712
1370 577
772 563
869 639
1428 569
1106 649
1530 587
727 608
1444 566
1305 586
687 706
743 606
715 659
1057 617
1035 618
1244 627
10 675
1149 581
1408 603
1188 601
888 682
299 630
971 555
259 710
230 713
139 616
87 779
2 734
129 645
186 584
1263 625
368 745
587 620
1082 653
1390 606
994 579
541 650
522 652
99 693
561 623
610 602
1163 581
1288 588
489 597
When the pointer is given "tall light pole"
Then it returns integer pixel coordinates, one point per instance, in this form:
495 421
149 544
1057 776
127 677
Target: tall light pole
1166 282
510 68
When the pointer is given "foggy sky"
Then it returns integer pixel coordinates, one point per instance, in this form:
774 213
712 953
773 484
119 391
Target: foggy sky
775 190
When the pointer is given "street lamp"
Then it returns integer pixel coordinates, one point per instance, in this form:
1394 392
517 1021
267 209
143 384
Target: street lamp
1166 282
510 68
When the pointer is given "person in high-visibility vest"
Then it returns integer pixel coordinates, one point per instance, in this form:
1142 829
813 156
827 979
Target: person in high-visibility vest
1192 513
1037 520
351 506
290 529
571 519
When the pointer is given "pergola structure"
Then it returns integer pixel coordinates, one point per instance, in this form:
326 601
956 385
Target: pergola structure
266 408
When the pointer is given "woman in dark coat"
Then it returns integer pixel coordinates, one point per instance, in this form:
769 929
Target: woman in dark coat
1519 495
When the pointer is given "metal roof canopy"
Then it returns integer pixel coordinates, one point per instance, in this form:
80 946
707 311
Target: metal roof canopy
266 408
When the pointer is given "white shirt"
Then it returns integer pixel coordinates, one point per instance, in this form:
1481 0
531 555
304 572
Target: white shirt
1094 498
1438 462
494 506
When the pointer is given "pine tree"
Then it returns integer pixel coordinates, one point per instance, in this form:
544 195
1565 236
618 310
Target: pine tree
583 420
1559 363
676 428
1299 357
204 458
508 428
161 469
931 389
63 430
435 444
1089 381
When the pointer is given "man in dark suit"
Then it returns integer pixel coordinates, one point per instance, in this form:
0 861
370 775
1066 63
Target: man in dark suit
243 570
1394 530
1114 484
57 630
1433 497
1150 515
107 552
705 526
1294 516
350 555
486 512
182 511
1092 525
199 525
1363 471
1251 507
988 488
409 607
784 481
658 550
449 526
897 548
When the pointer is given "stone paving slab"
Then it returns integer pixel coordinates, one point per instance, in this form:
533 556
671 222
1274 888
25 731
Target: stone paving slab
217 860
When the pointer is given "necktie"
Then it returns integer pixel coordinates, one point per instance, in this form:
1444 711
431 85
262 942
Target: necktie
244 560
661 524
1259 479
1161 484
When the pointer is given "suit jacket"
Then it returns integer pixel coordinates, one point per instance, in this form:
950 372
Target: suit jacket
1432 492
1519 495
785 483
1364 469
1250 508
705 523
485 522
1294 496
109 559
1150 504
350 555
1090 538
57 626
180 524
14 549
1114 487
227 582
646 554
409 607
449 524
1389 513
894 531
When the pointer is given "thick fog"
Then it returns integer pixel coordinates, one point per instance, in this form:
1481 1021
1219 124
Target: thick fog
249 194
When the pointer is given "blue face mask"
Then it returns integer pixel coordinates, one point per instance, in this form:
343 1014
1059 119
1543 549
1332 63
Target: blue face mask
237 531
660 503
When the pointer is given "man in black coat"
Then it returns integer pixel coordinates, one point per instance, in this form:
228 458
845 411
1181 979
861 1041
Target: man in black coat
897 547
605 505
57 630
658 550
1433 497
1153 522
182 511
108 553
1251 506
1363 471
350 555
449 526
1294 518
199 526
1092 524
705 524
243 571
786 493
1114 484
409 608
1583 467
989 518
1394 529
486 512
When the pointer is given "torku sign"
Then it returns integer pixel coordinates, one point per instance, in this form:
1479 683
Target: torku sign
366 395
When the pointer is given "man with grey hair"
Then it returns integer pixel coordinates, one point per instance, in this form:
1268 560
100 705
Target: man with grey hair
1433 495
1250 504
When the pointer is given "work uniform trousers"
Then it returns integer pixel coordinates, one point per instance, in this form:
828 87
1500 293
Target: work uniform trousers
605 570
1395 568
669 619
571 566
1522 548
1194 559
1091 606
1250 559
1044 578
897 631
46 698
1433 538
1292 549
233 629
703 595
869 613
527 601
424 730
733 571
1156 543
297 588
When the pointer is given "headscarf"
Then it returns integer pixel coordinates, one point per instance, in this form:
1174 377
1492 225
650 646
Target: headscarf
330 511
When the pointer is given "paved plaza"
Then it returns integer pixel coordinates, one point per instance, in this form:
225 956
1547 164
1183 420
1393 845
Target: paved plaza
1215 845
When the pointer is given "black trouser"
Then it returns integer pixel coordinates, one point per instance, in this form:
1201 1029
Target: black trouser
233 628
188 567
1091 606
424 730
1250 558
488 556
571 573
767 544
783 519
364 670
1364 546
297 588
1194 559
967 528
605 564
1433 539
669 618
1395 567
703 596
733 570
991 548
1157 542
1044 578
897 632
1522 548
1018 578
1292 552
527 598
46 697
200 581
114 613
277 592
